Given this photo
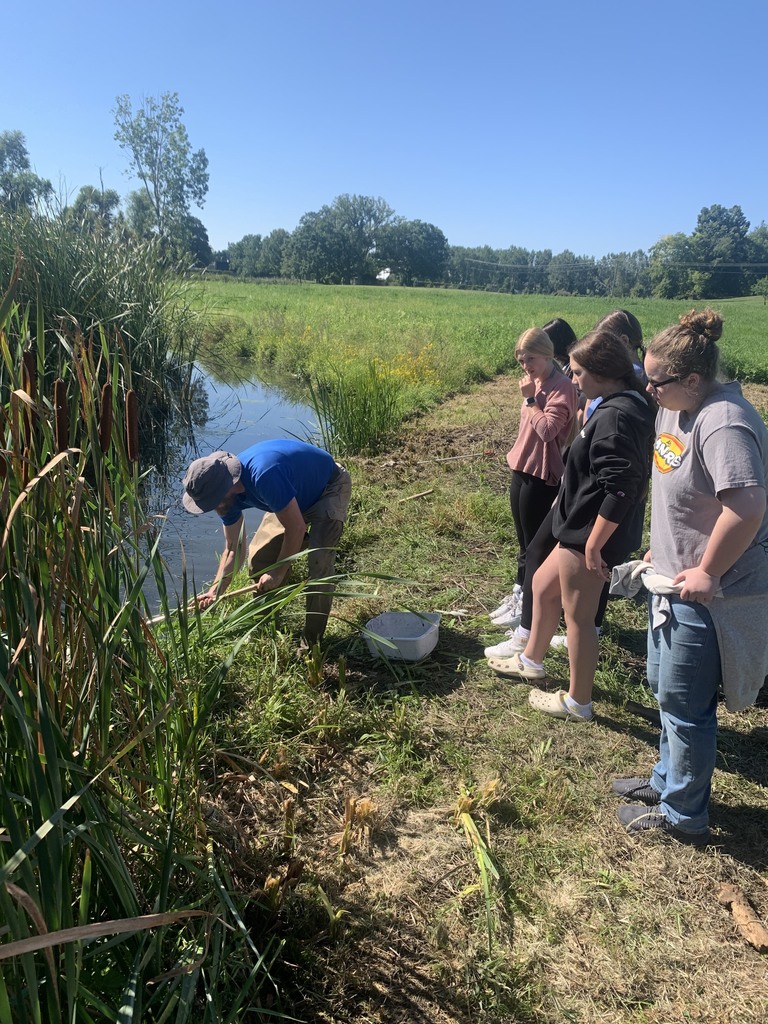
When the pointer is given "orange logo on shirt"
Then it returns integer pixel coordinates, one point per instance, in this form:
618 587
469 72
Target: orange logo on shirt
667 452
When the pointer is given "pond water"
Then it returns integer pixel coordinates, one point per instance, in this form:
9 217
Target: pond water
227 417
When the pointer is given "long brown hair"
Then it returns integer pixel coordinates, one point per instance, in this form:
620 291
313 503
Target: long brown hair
603 354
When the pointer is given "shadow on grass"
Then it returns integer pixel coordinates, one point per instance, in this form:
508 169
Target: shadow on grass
743 832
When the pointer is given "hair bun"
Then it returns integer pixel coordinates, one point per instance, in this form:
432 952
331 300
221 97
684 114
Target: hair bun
704 322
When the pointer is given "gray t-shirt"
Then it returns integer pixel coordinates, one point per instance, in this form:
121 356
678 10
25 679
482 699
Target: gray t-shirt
723 445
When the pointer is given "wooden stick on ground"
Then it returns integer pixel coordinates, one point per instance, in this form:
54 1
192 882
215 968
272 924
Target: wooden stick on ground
421 494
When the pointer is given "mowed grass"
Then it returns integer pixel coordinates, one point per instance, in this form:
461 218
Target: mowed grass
433 342
485 877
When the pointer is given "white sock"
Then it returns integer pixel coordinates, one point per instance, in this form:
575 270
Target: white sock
585 710
522 632
531 663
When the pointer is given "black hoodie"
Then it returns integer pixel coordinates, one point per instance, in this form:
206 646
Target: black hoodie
606 474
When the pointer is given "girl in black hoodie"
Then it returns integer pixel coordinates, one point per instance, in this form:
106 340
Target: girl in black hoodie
595 520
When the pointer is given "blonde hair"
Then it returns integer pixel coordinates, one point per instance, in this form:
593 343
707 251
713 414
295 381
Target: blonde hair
535 341
690 346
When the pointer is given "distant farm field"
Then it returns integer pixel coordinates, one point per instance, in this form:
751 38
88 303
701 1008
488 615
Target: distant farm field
434 341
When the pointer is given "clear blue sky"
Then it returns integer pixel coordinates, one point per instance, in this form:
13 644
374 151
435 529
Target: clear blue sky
596 126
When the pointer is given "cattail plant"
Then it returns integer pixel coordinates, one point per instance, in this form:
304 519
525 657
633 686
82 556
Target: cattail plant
132 425
105 418
61 415
103 722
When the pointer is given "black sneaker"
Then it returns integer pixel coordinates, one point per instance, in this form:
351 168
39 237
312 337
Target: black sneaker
636 791
639 821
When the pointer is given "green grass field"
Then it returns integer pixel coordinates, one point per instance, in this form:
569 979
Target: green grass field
436 341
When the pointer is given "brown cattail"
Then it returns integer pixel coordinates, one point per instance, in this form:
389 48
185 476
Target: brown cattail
132 425
29 384
29 373
105 417
61 415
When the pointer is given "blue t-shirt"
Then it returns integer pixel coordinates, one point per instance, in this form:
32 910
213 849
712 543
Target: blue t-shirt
276 472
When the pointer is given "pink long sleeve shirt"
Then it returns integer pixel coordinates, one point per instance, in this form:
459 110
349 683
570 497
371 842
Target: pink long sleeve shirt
545 429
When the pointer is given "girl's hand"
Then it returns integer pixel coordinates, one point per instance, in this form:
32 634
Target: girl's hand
527 387
595 564
698 585
206 600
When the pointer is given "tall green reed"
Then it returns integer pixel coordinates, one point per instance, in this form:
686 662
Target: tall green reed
358 411
114 901
80 278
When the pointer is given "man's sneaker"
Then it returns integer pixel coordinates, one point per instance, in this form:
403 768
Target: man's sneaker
640 821
636 791
514 645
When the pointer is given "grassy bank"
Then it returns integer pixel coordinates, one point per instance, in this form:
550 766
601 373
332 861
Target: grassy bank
438 851
436 340
368 357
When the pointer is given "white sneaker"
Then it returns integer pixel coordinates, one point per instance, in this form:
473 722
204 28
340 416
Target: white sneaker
506 604
511 606
510 620
507 648
559 642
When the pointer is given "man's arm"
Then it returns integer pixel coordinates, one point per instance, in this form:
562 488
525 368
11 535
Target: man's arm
292 521
232 558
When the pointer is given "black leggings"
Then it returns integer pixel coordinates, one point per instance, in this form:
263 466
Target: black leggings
530 499
538 551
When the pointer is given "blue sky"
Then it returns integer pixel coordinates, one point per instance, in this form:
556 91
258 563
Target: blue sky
597 127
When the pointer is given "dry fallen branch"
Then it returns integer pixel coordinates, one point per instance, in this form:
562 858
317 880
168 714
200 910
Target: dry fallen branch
747 921
421 494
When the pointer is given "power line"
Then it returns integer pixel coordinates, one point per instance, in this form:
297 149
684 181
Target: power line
618 263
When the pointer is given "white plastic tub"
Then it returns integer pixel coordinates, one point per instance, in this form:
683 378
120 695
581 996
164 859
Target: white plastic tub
405 636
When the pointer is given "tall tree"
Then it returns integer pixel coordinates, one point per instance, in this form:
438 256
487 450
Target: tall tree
161 157
670 270
192 241
272 251
245 256
20 187
140 214
94 209
337 243
413 250
720 240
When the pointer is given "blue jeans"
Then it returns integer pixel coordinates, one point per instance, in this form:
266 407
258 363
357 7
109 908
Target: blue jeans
684 673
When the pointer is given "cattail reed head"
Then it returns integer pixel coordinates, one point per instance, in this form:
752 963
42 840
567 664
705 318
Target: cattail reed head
29 373
105 418
132 425
61 415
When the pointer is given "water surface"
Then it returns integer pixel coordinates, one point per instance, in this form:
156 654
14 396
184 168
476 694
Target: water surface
230 417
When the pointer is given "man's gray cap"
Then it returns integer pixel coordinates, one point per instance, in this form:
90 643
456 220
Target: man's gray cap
209 480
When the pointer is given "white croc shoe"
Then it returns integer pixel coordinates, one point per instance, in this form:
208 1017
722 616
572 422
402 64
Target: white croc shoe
513 668
553 704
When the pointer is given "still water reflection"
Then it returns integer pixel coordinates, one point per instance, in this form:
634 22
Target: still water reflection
225 416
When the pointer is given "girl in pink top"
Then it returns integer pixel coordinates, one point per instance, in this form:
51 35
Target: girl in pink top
550 401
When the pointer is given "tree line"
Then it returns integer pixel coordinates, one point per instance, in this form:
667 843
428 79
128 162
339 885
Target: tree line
360 239
355 238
